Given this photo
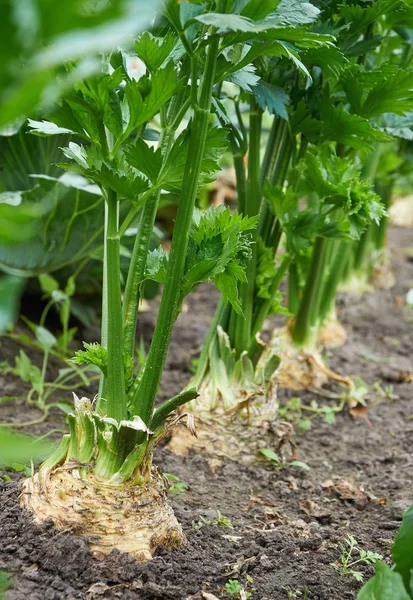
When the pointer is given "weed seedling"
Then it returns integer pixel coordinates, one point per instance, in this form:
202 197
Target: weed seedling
276 461
296 593
235 589
352 554
176 486
219 521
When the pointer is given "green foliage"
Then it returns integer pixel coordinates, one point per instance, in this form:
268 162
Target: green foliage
219 247
395 582
272 98
34 54
175 485
66 230
385 584
402 550
16 448
93 354
352 554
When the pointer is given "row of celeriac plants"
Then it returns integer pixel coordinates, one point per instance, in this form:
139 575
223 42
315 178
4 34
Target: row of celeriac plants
333 83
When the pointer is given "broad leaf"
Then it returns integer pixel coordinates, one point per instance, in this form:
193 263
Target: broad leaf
272 98
402 549
386 583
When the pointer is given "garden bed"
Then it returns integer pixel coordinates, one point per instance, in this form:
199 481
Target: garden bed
286 524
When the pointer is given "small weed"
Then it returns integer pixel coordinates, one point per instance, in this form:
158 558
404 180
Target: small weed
386 392
219 521
277 462
235 589
302 414
176 486
352 554
296 593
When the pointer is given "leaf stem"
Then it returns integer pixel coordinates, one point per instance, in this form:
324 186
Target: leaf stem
144 397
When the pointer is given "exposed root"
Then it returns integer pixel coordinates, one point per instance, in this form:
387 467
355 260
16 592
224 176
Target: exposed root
220 439
332 334
330 374
130 518
298 369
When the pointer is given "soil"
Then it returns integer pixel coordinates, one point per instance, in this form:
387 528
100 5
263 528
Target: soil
286 524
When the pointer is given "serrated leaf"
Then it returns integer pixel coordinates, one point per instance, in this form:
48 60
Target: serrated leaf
45 128
246 78
145 159
156 265
295 12
272 98
386 583
172 173
402 549
349 129
154 51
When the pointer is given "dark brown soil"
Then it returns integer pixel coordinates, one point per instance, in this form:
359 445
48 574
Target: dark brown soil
286 525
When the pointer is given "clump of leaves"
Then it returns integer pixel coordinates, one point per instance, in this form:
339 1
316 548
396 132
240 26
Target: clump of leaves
394 582
219 521
176 486
234 588
276 461
302 414
352 555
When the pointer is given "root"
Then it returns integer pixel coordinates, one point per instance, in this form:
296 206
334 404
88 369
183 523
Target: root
298 369
238 433
223 439
130 518
332 335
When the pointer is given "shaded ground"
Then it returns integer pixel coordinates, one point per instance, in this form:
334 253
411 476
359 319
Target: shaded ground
286 524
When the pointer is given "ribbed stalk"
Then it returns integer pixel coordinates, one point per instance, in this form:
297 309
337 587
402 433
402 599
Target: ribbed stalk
116 400
244 323
306 321
138 260
144 397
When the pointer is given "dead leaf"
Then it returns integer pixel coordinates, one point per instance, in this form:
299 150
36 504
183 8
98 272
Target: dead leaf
346 490
208 596
399 301
358 410
312 509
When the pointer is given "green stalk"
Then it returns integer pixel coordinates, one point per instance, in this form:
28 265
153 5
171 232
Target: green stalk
116 398
138 260
265 306
144 397
244 323
337 266
101 403
306 321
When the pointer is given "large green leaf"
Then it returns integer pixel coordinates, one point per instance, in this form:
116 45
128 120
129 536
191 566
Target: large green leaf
68 227
385 585
402 549
39 36
21 448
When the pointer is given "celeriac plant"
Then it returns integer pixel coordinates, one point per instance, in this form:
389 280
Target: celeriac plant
309 188
106 459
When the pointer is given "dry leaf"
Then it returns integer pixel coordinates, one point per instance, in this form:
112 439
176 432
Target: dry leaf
346 490
311 508
358 410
